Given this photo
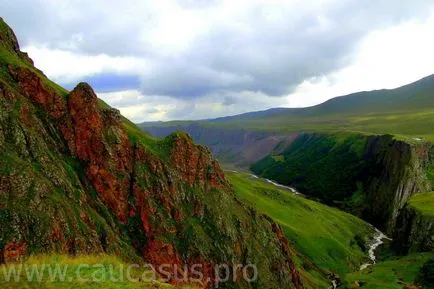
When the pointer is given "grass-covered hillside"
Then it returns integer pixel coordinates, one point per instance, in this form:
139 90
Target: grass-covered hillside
331 241
84 272
423 203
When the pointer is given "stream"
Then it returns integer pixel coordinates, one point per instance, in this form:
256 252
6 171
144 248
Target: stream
377 241
294 191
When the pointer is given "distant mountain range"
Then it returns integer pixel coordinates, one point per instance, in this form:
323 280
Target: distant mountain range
407 110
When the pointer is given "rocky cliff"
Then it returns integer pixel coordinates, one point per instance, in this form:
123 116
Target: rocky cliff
370 176
414 230
76 177
395 170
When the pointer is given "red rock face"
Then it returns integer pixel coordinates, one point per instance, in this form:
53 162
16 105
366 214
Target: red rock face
193 166
104 160
14 252
196 165
33 88
87 124
84 132
83 129
96 137
284 243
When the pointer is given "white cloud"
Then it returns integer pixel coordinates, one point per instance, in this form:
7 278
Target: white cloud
386 58
66 67
138 107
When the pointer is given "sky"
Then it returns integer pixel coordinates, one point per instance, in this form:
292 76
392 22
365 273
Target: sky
185 59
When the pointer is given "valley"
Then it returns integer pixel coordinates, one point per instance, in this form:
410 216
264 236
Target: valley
369 154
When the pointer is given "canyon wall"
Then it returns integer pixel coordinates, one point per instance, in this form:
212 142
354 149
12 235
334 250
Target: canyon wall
238 147
370 176
414 232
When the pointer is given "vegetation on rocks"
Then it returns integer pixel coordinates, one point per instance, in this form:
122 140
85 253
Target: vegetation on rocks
77 178
423 203
415 225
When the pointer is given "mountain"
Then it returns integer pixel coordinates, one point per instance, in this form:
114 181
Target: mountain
77 178
252 115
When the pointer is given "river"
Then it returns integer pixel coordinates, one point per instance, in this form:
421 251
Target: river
376 242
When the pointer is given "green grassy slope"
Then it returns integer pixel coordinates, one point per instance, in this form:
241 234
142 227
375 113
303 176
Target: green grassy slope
392 274
330 238
405 124
423 203
85 272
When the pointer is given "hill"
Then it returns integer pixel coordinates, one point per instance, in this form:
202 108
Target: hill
340 238
78 179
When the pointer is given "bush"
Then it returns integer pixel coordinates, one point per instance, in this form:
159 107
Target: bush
427 274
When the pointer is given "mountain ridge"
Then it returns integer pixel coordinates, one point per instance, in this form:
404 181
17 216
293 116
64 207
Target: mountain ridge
78 178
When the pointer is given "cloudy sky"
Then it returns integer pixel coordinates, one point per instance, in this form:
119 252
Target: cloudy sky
186 59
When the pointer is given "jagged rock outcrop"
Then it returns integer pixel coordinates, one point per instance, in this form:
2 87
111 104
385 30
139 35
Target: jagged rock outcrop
77 178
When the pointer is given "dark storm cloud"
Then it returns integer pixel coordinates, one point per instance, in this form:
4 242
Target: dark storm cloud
229 100
275 57
264 50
